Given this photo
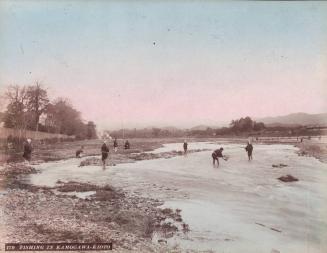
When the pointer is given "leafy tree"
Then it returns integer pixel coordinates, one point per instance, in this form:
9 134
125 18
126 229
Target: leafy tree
156 131
246 125
63 118
258 126
91 130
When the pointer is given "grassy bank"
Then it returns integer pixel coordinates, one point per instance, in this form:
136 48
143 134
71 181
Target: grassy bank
313 148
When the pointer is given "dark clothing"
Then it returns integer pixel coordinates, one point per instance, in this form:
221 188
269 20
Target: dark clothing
79 152
249 149
115 144
217 153
127 145
104 151
27 151
185 146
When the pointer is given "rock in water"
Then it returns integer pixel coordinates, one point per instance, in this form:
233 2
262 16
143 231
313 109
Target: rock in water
281 165
288 178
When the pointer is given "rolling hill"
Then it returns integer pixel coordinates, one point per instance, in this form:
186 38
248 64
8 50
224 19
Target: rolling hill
303 119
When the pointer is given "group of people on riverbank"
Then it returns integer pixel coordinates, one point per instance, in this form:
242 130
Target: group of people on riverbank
27 150
105 150
218 153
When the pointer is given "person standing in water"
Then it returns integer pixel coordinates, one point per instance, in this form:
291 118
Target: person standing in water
185 147
249 149
217 153
28 150
115 145
105 153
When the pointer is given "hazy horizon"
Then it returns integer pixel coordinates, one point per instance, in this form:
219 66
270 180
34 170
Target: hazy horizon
126 64
217 125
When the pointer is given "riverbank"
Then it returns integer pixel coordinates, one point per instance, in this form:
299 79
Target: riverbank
313 148
73 211
59 151
81 212
65 150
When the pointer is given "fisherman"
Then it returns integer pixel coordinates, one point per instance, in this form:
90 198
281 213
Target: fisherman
249 149
127 145
115 145
79 152
217 153
105 153
185 147
28 150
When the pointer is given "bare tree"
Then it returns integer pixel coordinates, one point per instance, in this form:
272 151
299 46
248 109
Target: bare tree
37 102
16 114
16 93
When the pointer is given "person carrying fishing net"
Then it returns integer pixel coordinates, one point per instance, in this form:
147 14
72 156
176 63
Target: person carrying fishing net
216 154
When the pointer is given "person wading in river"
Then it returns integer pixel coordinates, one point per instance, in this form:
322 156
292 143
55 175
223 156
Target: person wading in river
249 149
185 147
105 153
217 153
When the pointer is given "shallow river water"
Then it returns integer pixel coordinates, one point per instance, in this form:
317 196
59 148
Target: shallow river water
238 207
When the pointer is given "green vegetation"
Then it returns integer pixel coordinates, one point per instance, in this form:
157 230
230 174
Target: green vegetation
29 108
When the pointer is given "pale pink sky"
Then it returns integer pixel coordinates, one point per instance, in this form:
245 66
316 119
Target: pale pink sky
170 64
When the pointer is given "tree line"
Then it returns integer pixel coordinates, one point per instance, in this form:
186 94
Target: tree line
29 108
237 127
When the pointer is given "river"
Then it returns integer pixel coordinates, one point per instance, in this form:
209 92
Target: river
238 207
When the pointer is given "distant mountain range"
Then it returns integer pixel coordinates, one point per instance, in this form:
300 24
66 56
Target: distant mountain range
293 119
300 119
